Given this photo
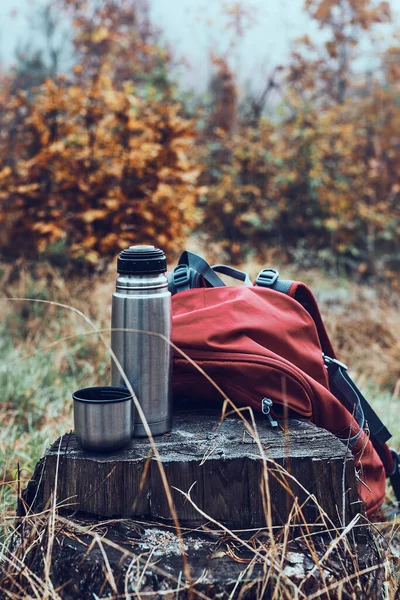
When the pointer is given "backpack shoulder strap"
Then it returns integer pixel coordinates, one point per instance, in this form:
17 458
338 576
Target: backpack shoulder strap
192 271
199 265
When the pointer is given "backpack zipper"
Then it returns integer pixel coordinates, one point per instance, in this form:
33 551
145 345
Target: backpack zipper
266 405
285 367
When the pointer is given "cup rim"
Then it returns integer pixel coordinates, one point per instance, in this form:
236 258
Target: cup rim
112 394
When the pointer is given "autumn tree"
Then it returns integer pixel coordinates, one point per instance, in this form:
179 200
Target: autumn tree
120 36
224 97
90 164
321 182
36 62
323 73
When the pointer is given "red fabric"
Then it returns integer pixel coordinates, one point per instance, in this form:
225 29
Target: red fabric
255 343
304 295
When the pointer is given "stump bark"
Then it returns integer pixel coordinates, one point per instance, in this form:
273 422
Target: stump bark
134 559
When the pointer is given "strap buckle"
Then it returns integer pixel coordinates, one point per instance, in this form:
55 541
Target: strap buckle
181 277
267 277
333 363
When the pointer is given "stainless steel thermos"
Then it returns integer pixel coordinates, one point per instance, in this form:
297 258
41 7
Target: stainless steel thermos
141 306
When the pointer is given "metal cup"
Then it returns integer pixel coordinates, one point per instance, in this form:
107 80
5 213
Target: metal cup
103 418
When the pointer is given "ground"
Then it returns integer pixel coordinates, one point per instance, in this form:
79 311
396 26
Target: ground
47 351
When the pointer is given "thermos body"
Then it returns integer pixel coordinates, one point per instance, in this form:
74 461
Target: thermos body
141 328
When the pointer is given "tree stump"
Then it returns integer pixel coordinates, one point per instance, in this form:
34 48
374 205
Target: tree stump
231 478
256 511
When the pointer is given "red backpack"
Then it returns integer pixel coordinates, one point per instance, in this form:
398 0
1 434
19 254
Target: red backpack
266 346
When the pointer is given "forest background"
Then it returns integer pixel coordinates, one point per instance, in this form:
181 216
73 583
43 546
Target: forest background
299 171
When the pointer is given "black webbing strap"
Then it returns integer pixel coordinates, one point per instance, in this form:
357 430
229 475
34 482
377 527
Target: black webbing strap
193 271
344 388
195 262
234 273
395 474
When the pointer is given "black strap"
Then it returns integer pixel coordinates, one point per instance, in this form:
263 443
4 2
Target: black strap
344 388
195 262
346 391
395 475
192 271
234 273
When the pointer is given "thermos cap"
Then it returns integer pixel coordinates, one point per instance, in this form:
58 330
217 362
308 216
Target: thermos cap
141 260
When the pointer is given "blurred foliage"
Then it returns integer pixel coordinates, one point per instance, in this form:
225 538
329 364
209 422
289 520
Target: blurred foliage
121 37
87 167
107 156
322 182
46 352
324 73
95 167
34 64
327 180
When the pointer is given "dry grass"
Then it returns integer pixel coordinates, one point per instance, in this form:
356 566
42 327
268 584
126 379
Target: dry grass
38 372
278 563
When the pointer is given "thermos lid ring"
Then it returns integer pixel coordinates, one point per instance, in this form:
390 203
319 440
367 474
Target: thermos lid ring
141 260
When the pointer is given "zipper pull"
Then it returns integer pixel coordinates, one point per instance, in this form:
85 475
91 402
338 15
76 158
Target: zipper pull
266 405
